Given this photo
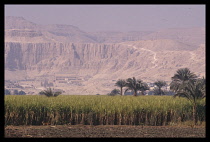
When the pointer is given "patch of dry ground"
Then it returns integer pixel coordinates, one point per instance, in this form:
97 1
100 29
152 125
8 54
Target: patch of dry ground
106 131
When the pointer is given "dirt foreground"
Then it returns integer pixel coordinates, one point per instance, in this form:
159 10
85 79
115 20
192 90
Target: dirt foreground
105 131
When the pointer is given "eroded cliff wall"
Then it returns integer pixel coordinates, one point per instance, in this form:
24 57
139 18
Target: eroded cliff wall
109 58
98 59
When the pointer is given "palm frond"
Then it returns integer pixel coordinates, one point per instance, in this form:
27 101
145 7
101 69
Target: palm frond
120 83
49 93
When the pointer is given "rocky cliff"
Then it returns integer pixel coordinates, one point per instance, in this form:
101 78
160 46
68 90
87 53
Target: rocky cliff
33 51
102 62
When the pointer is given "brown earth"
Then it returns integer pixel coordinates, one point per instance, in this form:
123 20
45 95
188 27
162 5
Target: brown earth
108 131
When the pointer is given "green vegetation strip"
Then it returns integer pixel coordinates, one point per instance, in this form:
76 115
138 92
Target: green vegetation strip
99 110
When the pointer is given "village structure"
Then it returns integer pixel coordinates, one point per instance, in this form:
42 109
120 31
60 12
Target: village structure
36 85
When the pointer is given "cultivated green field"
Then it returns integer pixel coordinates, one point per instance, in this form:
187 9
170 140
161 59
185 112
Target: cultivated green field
99 110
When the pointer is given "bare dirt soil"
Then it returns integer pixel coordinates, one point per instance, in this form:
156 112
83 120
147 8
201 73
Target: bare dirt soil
103 131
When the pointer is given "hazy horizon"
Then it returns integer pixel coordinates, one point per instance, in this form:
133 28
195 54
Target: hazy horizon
124 18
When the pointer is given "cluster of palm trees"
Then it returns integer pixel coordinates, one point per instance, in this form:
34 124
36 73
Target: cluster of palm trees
158 90
136 85
182 78
184 84
132 84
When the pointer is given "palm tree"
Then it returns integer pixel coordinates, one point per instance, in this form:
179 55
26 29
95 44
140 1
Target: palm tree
193 90
135 85
186 84
50 93
120 83
143 87
160 84
203 84
132 84
182 75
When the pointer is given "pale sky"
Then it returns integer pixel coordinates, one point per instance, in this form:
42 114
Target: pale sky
92 18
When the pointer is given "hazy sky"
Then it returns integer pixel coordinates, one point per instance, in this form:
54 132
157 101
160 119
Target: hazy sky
113 17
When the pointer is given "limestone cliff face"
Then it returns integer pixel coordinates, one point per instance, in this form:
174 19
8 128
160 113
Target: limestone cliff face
100 64
96 58
58 56
13 57
35 51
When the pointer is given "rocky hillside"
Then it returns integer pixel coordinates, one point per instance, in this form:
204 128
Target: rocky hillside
34 51
190 36
18 29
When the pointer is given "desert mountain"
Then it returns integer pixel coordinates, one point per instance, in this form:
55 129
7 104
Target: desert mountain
90 63
191 36
116 37
17 29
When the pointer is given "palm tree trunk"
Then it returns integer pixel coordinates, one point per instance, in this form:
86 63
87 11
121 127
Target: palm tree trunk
160 91
195 114
135 93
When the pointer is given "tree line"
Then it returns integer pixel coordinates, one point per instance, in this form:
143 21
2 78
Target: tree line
15 92
137 85
183 76
184 84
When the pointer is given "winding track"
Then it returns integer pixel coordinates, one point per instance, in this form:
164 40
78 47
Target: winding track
193 56
154 53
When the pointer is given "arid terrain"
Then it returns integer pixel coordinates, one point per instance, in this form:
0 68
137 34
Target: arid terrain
76 62
67 58
106 131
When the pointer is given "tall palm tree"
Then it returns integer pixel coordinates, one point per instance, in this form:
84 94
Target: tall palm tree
202 82
186 84
120 83
132 84
193 90
182 75
143 87
135 85
160 84
50 93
